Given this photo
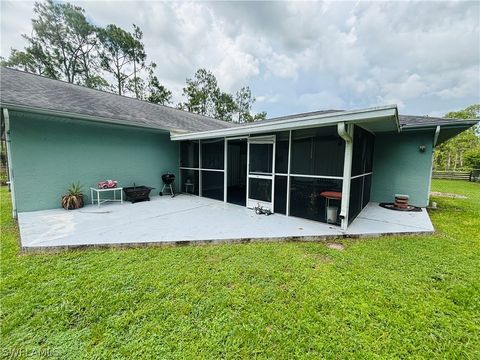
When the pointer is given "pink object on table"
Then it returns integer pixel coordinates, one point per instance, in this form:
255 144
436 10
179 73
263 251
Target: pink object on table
108 184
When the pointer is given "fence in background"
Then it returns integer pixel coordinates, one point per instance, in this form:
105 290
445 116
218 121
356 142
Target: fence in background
473 175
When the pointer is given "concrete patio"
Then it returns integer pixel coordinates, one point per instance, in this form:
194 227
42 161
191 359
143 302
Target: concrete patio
191 219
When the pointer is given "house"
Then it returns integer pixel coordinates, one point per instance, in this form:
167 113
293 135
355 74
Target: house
58 133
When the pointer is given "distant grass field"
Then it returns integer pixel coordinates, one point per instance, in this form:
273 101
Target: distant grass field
392 297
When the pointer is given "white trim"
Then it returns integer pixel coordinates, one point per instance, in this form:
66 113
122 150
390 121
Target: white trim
199 168
248 169
273 172
216 170
281 174
358 116
287 210
187 168
270 140
6 116
237 137
317 176
225 165
346 133
357 176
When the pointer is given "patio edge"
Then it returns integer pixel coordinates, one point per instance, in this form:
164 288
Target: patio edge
133 245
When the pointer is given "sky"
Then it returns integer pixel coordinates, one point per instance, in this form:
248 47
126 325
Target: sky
303 56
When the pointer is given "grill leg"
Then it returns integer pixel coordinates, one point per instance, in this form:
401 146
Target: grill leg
163 188
171 191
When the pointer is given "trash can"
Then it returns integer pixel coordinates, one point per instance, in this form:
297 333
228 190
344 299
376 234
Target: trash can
332 214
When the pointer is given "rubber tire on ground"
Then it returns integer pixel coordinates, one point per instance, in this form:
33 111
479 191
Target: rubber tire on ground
160 193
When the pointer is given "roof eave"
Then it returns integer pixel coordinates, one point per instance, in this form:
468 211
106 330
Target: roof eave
457 124
357 116
97 119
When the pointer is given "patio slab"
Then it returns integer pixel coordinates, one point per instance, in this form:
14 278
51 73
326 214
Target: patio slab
185 218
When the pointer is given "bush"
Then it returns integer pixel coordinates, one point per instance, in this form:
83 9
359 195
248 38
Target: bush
472 158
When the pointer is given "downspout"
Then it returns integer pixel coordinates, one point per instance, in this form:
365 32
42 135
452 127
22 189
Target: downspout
346 133
435 141
9 160
435 138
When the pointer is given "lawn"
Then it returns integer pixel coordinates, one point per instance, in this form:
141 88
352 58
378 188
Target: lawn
391 297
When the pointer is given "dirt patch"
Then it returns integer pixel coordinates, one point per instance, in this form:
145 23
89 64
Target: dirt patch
447 195
336 246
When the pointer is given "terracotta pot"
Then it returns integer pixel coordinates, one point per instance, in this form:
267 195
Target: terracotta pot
72 202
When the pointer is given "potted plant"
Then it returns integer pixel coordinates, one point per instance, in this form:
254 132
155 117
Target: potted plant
74 198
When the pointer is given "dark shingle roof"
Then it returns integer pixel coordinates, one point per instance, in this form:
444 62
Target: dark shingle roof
33 91
413 121
406 121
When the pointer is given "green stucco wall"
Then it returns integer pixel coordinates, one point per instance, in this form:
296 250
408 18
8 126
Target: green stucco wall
400 168
49 153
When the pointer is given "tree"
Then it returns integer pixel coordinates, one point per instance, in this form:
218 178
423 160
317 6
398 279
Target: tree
451 154
206 98
225 106
139 57
472 158
244 102
120 52
158 93
32 60
201 92
62 39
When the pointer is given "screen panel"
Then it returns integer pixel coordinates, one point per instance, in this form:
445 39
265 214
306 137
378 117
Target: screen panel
189 154
212 184
189 179
318 151
280 194
306 200
260 189
213 154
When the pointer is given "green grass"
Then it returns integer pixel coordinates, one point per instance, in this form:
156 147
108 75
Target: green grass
392 297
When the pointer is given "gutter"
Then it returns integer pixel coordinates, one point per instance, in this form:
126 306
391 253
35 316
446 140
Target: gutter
456 124
97 119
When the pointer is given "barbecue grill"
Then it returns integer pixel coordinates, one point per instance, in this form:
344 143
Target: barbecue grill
168 180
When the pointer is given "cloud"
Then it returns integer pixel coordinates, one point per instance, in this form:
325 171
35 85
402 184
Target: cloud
424 56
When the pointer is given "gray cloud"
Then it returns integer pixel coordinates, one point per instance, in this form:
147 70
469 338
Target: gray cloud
300 56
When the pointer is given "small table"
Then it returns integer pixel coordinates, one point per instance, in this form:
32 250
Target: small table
101 201
330 195
189 185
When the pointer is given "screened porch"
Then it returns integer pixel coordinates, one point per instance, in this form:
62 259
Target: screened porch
298 173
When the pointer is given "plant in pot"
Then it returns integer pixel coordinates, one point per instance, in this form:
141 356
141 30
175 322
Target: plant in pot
74 198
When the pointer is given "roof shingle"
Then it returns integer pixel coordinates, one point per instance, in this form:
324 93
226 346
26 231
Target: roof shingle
34 91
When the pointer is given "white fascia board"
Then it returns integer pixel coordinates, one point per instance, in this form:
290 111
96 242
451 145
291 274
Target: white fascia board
91 118
357 116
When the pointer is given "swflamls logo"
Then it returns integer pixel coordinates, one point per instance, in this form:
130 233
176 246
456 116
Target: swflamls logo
22 353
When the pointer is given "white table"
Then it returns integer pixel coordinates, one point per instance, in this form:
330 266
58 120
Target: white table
101 201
